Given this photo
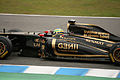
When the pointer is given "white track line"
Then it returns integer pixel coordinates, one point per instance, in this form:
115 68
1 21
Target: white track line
58 16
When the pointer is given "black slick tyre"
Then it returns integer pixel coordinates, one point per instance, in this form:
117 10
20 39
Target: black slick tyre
115 54
5 47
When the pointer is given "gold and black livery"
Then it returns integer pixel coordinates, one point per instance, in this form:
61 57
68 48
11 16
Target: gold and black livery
81 41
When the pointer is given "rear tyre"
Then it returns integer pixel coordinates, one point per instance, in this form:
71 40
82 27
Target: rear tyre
115 54
5 47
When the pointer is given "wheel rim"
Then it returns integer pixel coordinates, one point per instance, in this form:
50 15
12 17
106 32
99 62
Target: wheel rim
2 48
117 54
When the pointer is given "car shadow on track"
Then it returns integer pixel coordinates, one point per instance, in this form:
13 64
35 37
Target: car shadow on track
78 61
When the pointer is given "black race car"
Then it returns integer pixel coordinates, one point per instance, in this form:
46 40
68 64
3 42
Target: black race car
81 41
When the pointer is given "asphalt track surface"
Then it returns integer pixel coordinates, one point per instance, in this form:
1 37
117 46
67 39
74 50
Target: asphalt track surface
41 23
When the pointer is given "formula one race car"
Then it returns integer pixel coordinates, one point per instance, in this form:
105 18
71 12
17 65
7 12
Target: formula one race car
81 41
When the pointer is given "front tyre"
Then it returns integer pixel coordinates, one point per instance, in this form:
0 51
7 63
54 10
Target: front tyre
5 47
115 54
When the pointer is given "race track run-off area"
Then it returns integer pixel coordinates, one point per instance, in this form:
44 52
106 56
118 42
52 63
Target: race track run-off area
20 72
27 68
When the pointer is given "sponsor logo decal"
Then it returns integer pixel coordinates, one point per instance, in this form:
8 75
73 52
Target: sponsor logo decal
94 41
67 38
68 46
36 44
96 34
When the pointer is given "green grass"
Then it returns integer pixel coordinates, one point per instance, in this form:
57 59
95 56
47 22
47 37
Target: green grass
26 76
109 8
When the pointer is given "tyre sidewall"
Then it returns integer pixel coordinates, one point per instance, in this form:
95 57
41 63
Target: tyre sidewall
8 47
112 53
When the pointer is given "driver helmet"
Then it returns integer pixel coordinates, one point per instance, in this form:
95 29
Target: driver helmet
58 31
